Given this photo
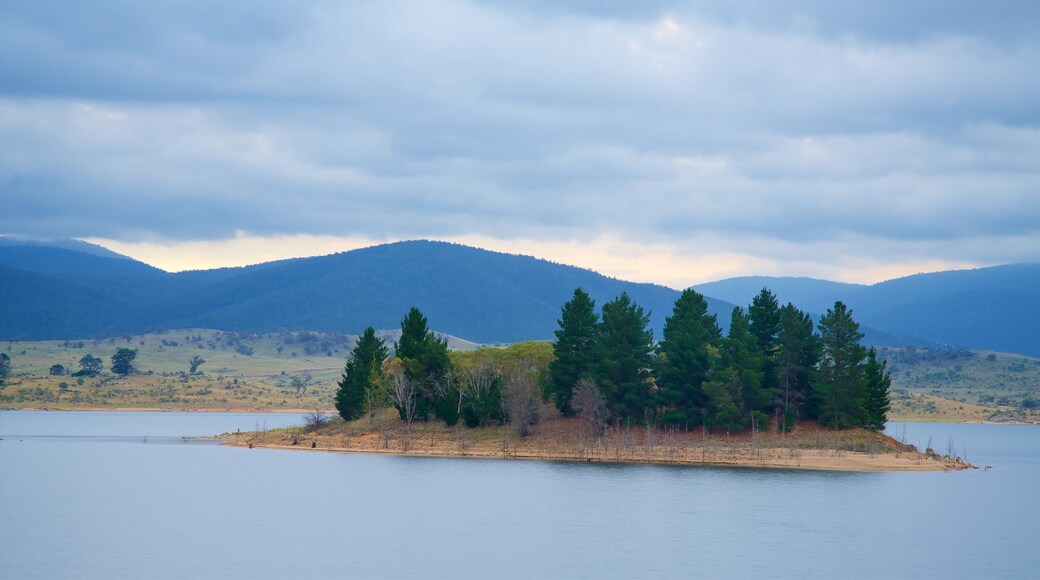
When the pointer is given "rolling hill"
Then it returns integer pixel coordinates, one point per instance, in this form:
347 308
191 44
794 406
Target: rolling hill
479 295
995 308
65 291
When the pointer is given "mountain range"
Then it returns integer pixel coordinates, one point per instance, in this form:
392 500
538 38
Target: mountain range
72 289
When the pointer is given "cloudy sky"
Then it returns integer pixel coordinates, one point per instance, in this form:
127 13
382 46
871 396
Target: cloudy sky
672 142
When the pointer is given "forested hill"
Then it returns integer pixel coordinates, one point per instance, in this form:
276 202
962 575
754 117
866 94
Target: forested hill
66 290
476 294
996 308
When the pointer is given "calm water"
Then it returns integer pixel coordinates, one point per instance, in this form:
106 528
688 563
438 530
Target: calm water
116 495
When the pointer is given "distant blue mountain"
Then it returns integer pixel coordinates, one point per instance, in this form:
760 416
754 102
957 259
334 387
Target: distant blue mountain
53 292
476 294
66 262
995 308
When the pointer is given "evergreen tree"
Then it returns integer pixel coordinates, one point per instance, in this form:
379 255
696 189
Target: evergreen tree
878 382
624 359
362 372
690 343
839 389
123 361
750 363
795 358
574 348
736 397
426 364
765 320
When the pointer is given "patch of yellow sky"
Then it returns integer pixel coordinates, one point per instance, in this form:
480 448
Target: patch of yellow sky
659 263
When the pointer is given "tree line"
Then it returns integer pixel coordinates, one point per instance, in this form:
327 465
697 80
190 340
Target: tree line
773 368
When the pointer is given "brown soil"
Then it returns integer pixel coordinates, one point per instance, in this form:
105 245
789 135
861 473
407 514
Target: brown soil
808 446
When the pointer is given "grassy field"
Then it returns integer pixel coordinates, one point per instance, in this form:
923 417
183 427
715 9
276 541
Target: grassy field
287 370
299 370
971 376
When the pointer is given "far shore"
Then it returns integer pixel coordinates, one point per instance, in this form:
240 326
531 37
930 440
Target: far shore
303 411
809 447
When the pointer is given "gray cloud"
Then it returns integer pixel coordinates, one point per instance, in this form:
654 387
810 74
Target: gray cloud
836 128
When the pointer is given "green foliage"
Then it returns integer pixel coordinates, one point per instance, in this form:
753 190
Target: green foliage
194 364
123 361
795 359
624 359
839 390
736 397
427 365
89 366
483 406
479 378
766 319
5 366
878 383
361 373
574 348
684 359
748 361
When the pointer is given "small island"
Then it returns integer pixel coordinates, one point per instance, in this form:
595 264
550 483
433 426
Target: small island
807 446
772 393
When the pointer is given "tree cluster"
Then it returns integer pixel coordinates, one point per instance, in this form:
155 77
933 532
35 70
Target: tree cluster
772 368
423 381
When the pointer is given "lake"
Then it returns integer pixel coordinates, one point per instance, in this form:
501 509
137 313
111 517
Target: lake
121 495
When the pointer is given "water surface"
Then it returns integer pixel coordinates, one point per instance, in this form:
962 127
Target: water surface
97 502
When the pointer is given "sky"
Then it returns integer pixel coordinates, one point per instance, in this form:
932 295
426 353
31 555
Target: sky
667 142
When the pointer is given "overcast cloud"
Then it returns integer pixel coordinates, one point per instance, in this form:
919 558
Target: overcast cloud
670 142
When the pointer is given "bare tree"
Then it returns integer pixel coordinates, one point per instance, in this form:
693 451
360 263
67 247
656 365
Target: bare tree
400 389
587 400
477 379
315 420
520 401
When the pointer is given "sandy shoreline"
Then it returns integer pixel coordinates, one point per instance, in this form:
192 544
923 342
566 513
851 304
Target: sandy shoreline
562 441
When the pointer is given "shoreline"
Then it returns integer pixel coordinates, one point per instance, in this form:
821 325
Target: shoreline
562 440
332 412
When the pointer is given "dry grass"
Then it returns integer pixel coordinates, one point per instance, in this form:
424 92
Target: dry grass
807 447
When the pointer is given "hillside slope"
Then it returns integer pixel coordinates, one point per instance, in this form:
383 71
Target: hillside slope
996 308
476 294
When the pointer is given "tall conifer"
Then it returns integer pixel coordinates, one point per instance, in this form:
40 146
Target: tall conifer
765 319
795 358
574 348
624 359
426 362
688 346
878 383
840 386
360 374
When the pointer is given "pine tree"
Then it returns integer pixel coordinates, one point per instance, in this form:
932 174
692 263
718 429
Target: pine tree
360 374
689 344
878 382
765 320
795 358
574 348
839 389
426 364
737 399
624 359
